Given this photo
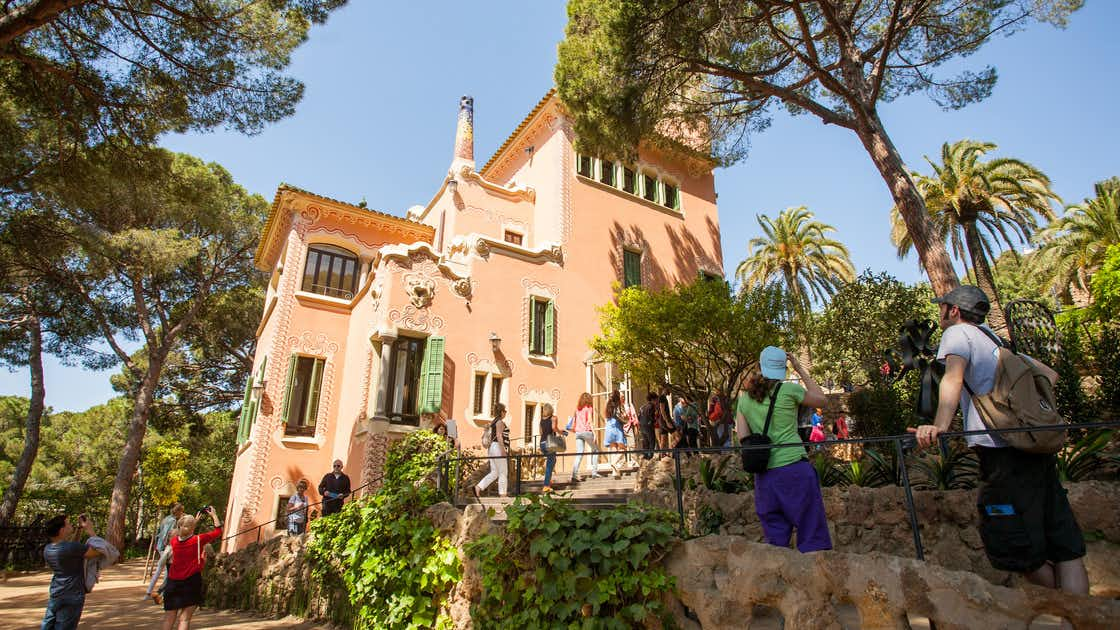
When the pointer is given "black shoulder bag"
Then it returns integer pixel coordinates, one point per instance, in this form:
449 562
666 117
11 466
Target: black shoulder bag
756 460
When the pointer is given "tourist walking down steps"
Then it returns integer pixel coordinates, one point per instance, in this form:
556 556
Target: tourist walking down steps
496 440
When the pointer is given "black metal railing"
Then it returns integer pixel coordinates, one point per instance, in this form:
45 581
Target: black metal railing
284 517
902 444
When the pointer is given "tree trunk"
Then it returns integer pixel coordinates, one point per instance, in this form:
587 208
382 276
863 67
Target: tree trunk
34 419
984 277
137 427
931 249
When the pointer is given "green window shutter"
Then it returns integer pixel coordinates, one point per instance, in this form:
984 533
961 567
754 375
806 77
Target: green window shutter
312 411
431 376
532 325
242 426
550 328
631 268
288 387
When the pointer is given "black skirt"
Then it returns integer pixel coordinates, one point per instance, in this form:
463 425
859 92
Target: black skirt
183 593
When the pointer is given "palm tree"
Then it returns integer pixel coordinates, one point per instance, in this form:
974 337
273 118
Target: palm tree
977 205
797 251
1072 247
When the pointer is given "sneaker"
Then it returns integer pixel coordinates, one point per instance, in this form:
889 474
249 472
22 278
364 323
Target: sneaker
546 489
594 476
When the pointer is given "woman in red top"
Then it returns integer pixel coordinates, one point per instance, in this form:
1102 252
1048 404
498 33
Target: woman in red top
184 579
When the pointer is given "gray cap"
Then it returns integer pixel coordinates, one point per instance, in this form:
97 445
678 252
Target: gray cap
967 298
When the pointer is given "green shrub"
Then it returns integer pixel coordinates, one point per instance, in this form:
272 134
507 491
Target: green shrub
558 566
1083 457
396 568
957 469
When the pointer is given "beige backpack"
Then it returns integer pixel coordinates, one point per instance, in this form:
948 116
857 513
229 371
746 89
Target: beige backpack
1021 397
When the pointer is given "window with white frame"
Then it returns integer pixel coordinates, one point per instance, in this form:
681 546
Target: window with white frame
542 326
648 185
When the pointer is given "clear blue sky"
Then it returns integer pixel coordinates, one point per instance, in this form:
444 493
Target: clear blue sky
383 81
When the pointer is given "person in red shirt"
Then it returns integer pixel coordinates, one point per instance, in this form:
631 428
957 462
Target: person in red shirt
841 428
184 579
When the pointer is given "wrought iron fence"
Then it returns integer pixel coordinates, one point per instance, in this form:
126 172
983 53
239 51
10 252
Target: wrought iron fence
902 444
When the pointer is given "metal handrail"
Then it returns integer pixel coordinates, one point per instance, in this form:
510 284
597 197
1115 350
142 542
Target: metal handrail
902 443
309 506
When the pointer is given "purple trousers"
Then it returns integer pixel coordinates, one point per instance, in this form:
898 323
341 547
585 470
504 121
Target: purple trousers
789 498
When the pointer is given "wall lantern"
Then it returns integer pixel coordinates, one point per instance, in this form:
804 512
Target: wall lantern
258 387
453 186
495 341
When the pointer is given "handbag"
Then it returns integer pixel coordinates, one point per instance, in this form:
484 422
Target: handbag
756 461
556 443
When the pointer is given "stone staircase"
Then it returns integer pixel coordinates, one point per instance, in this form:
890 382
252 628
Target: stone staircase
589 494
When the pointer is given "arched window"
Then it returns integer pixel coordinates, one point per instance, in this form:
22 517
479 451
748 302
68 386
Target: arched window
330 271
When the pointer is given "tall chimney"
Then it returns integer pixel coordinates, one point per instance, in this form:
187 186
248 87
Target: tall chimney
464 135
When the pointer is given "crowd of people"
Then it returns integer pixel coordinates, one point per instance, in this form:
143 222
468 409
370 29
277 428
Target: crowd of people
1026 523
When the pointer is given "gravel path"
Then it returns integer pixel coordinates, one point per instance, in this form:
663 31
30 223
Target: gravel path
118 604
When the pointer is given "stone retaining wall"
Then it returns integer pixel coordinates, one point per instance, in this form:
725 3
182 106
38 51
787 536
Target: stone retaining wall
865 520
274 578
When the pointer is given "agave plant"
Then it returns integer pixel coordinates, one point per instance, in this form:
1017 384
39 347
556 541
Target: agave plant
1083 457
955 469
887 466
828 469
864 473
715 476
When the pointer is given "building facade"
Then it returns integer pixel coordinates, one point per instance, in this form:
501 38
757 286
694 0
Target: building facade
376 325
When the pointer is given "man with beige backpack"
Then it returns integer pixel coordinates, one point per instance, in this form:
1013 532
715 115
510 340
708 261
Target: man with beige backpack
1026 521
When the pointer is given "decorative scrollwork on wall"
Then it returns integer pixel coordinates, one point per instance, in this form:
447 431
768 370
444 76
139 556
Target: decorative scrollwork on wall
411 318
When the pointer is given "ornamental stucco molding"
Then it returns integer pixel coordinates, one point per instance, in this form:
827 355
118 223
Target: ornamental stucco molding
539 395
493 366
509 191
417 320
316 344
268 417
316 213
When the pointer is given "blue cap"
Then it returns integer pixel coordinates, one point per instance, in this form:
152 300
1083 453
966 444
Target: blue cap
772 363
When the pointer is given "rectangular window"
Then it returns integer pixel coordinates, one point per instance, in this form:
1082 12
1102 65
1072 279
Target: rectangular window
649 190
672 197
528 429
606 173
405 363
282 512
631 268
583 165
629 181
305 379
495 393
539 314
479 390
513 237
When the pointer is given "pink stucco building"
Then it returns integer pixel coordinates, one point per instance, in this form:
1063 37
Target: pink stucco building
375 325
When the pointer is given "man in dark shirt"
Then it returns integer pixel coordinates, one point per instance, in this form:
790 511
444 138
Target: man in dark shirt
647 417
66 559
334 487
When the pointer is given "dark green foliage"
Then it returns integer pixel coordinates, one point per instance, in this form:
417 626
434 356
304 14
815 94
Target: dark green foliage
884 408
558 566
1084 457
1108 368
76 76
861 321
702 334
957 469
716 475
396 568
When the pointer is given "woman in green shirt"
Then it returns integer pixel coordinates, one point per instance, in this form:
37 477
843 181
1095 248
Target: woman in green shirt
788 495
